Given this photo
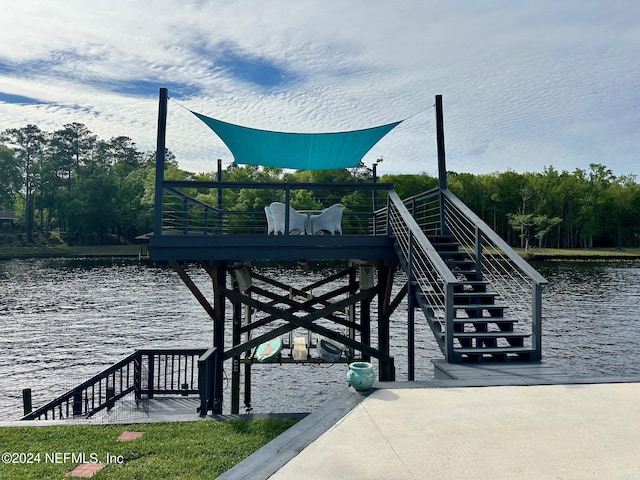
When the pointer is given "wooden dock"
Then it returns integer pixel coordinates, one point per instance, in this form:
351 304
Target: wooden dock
505 373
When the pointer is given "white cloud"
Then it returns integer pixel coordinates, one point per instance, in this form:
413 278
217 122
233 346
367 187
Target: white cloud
525 84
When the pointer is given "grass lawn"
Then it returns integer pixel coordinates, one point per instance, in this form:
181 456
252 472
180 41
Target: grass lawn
185 450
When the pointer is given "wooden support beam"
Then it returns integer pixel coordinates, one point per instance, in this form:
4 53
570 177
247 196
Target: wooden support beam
365 323
306 306
385 284
236 337
194 289
218 275
303 322
324 281
304 292
353 284
398 299
287 315
300 291
411 335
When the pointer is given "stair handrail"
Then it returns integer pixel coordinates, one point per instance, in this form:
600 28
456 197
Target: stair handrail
419 236
495 238
424 266
130 380
518 284
192 200
183 217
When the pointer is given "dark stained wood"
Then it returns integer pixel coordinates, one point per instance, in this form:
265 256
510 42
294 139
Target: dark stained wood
270 247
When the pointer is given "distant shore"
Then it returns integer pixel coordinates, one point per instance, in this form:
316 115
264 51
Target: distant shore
541 254
533 254
71 251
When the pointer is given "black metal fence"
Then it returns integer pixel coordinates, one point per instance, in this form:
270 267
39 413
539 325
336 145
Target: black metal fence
143 373
237 208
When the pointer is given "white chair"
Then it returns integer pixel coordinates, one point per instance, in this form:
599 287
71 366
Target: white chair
269 215
330 220
297 220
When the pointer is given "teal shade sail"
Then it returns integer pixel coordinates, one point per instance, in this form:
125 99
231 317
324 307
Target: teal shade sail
299 151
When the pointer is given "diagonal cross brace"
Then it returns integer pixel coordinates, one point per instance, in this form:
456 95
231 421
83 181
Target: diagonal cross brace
194 289
306 306
304 322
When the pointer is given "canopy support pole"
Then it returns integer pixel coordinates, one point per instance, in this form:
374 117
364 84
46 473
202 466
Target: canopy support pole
160 148
442 167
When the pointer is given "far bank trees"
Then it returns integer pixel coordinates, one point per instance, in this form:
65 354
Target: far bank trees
101 191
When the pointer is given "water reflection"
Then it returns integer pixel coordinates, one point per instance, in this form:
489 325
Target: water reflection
63 320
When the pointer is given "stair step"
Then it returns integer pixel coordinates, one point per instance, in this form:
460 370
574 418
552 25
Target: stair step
488 335
491 335
463 321
474 283
477 295
492 350
470 286
454 254
479 307
463 296
460 262
508 322
442 247
441 237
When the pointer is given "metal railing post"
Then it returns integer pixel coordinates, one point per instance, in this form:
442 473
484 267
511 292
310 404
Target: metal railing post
77 402
449 318
478 235
388 216
185 216
287 202
411 314
150 379
444 229
137 376
536 327
219 177
206 380
26 401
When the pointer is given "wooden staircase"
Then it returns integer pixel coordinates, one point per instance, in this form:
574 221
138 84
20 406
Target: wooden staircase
482 328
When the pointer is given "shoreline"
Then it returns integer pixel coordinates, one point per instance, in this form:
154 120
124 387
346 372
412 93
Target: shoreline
544 254
533 255
70 252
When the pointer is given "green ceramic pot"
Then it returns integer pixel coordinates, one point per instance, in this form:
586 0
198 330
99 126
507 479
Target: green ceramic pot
361 376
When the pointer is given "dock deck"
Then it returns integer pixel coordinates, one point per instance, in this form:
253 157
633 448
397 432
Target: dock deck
513 373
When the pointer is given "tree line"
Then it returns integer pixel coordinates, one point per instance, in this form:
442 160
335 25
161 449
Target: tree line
101 191
579 209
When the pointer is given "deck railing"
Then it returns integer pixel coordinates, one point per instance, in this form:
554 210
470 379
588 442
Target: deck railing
237 208
143 373
422 263
440 212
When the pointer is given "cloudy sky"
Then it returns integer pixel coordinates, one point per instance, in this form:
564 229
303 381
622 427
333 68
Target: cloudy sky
525 84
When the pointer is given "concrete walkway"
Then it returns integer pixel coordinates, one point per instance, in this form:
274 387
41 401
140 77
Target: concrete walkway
561 431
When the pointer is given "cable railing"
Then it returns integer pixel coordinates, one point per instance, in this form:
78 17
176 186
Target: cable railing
237 208
424 266
143 373
518 285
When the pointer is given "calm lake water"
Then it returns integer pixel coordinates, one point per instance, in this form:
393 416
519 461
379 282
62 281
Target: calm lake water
64 320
